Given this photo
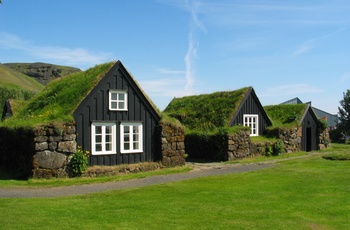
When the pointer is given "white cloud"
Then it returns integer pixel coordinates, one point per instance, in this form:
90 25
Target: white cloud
192 6
167 71
55 54
294 89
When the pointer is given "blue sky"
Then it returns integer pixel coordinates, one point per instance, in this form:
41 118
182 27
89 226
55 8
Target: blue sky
173 48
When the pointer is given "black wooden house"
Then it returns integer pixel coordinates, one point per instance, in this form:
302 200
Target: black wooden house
310 124
299 116
117 122
220 109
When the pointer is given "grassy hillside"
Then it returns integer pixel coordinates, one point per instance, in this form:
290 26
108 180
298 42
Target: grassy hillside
42 72
13 78
16 85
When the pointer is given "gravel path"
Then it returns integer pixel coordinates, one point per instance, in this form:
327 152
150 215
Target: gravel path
199 170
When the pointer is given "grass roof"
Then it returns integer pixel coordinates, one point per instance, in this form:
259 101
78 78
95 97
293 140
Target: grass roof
206 111
285 115
59 98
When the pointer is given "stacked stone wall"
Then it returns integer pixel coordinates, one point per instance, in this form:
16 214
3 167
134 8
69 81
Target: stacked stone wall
239 145
291 139
172 138
53 146
325 140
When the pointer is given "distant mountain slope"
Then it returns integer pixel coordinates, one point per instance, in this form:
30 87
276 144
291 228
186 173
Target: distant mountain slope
42 72
13 78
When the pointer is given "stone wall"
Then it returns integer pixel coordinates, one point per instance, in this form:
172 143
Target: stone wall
172 144
291 139
325 140
53 145
239 145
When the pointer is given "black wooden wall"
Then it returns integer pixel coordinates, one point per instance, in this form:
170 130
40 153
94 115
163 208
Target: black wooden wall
310 138
94 108
251 105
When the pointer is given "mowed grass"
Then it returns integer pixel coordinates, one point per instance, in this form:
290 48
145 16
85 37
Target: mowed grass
305 193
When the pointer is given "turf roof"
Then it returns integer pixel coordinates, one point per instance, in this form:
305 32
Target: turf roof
60 97
206 111
286 114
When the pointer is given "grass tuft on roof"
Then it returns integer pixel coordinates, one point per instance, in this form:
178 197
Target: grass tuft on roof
285 115
59 98
206 111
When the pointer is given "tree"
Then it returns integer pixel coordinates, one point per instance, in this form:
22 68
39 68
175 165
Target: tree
344 113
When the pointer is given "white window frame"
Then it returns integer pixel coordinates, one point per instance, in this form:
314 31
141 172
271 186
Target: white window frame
118 101
131 137
252 121
103 138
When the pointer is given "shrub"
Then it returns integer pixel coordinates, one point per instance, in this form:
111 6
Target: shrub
268 150
323 124
79 162
336 136
278 148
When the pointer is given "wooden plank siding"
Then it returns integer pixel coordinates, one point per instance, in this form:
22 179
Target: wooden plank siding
94 108
251 105
309 139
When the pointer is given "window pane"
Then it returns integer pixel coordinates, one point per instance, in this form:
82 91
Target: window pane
121 97
108 129
136 129
108 147
126 146
98 129
108 138
126 129
98 139
114 96
126 138
136 137
98 147
114 105
121 105
136 145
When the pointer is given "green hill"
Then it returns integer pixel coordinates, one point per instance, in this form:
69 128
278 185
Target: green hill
42 72
13 78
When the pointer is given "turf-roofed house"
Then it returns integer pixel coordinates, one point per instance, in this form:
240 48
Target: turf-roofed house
297 125
109 115
219 113
116 121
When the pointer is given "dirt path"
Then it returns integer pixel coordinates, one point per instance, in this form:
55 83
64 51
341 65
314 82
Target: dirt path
100 187
199 170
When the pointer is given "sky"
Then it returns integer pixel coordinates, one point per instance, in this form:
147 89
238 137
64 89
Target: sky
174 48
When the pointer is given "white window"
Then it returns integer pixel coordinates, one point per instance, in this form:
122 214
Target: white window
252 121
103 138
131 137
118 100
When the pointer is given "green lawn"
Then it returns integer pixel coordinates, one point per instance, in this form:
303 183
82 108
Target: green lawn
305 193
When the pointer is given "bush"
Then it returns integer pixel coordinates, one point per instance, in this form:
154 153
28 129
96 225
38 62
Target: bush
268 150
79 162
336 136
323 124
278 148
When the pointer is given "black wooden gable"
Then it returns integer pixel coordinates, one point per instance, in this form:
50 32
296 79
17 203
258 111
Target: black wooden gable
251 105
309 123
95 108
